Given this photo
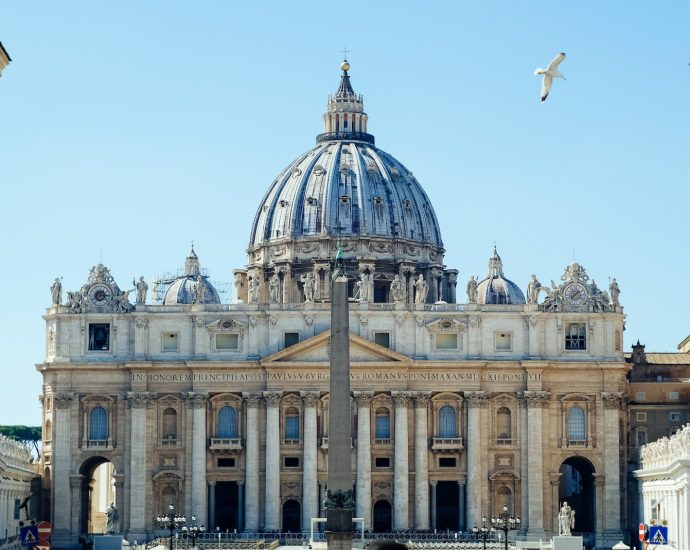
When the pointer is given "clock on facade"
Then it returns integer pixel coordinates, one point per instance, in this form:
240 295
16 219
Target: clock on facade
100 294
576 294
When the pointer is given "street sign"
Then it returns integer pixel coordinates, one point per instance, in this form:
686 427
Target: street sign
28 535
641 531
44 530
658 534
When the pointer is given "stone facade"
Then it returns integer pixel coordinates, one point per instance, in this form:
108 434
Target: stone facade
16 490
457 408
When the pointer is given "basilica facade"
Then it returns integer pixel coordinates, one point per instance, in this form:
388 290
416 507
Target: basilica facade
463 402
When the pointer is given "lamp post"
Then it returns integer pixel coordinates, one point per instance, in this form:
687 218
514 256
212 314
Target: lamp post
482 531
171 521
193 531
505 522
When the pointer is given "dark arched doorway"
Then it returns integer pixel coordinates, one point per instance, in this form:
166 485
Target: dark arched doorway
227 505
383 518
447 505
291 517
576 487
97 493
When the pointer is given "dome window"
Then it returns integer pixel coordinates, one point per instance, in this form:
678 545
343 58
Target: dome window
344 199
283 203
407 203
319 170
378 201
296 173
311 201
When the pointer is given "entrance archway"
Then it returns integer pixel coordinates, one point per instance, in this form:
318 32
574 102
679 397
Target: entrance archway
447 506
227 506
576 487
97 492
292 517
383 517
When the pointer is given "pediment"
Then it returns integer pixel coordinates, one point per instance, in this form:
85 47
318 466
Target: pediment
317 350
446 325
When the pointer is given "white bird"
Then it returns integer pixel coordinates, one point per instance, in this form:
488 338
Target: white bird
550 73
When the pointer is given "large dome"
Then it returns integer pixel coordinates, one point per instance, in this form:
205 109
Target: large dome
346 189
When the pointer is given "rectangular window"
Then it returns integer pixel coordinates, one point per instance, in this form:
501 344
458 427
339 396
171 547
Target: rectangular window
291 462
291 338
640 396
226 462
673 395
503 341
576 336
382 462
292 427
17 504
445 462
446 341
641 438
383 339
641 417
99 336
227 342
674 416
170 340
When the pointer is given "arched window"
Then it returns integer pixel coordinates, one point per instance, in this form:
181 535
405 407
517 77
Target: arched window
292 424
383 423
227 423
503 426
447 426
170 423
576 424
49 431
98 424
640 437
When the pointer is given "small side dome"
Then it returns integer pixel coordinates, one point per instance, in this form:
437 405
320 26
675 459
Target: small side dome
496 289
192 287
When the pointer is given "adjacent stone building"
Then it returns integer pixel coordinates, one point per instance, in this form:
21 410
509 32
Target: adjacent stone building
461 402
17 475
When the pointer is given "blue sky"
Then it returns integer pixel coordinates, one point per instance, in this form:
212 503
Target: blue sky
130 129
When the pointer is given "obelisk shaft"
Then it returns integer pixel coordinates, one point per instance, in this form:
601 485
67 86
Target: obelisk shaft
339 516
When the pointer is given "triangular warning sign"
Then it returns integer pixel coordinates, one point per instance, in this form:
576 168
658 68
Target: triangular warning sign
658 538
29 538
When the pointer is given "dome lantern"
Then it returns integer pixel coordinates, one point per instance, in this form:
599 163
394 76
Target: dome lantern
496 289
345 117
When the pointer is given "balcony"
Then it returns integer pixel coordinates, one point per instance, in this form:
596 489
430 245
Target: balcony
504 441
324 443
168 441
226 444
446 444
291 441
97 444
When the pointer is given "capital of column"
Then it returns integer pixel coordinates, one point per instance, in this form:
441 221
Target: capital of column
252 400
421 399
272 398
363 398
612 400
310 398
476 399
63 400
433 482
141 322
140 400
75 480
212 483
599 480
240 482
530 321
400 398
196 400
535 399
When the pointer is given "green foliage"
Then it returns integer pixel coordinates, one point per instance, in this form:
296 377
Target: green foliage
27 435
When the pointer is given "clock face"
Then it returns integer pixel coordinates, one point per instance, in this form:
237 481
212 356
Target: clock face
100 295
576 294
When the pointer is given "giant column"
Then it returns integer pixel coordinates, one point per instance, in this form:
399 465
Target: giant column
138 403
339 503
197 403
475 400
537 401
272 504
612 506
421 462
61 465
251 485
310 487
401 470
364 457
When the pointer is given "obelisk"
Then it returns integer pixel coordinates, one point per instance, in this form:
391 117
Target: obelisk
339 497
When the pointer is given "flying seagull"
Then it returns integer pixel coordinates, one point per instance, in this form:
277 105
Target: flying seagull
549 73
